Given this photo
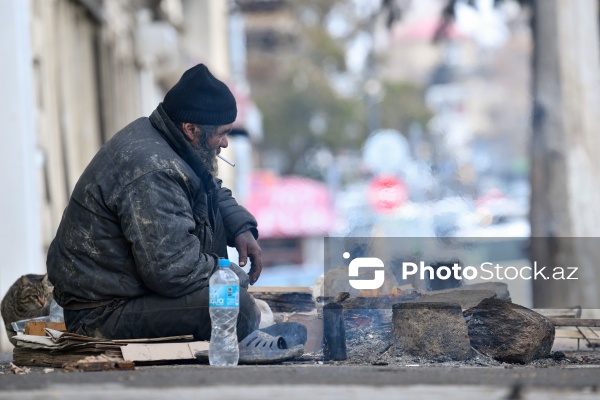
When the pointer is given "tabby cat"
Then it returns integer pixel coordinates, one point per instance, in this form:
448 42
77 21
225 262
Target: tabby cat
28 297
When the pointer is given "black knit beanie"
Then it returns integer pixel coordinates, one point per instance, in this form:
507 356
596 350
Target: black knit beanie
200 98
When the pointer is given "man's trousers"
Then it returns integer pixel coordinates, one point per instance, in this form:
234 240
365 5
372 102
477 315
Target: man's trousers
154 316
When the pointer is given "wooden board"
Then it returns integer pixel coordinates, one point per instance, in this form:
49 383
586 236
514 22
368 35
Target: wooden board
285 298
589 333
568 334
287 302
575 322
280 289
574 312
41 358
37 328
373 303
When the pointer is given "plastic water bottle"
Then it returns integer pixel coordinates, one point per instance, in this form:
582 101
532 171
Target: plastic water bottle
224 306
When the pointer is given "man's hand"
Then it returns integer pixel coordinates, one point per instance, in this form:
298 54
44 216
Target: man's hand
247 246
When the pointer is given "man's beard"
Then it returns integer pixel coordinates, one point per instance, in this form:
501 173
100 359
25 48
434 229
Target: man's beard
208 156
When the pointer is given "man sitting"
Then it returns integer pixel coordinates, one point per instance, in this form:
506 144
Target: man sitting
148 220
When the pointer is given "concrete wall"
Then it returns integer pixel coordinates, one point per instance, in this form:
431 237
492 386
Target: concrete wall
20 248
73 74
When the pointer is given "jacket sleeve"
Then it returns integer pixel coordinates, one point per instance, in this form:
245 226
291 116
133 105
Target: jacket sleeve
157 219
235 217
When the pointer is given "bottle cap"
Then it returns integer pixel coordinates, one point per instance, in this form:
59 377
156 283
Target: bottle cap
224 262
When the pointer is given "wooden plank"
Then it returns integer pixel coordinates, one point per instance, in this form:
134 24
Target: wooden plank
362 303
287 302
285 298
589 333
41 358
280 289
575 322
574 312
38 328
568 334
156 340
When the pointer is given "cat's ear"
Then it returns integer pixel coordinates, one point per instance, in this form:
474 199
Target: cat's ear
23 281
45 280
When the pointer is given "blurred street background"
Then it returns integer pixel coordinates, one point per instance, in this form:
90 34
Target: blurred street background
363 118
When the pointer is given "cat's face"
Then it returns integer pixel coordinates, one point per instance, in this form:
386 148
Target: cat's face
35 294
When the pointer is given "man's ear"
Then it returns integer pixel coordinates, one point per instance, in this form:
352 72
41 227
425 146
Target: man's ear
188 131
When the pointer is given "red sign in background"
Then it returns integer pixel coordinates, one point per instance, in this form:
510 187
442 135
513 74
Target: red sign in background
386 193
290 206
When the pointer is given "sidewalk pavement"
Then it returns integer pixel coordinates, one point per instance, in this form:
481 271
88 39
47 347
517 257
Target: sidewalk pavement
302 381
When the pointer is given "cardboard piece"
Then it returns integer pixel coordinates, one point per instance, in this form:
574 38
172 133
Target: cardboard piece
143 352
314 328
38 328
57 347
56 341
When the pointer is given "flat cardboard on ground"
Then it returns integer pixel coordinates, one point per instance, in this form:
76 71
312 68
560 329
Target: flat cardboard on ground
143 352
314 328
57 348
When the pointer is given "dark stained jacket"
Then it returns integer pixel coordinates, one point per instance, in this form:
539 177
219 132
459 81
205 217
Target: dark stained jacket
141 220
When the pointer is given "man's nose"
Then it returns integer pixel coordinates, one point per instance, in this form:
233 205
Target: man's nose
224 142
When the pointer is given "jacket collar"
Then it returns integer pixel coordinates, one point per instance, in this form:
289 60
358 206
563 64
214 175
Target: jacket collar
174 137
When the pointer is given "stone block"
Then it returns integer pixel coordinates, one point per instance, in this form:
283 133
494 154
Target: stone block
509 332
434 331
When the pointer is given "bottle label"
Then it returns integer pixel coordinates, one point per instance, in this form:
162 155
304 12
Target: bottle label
224 296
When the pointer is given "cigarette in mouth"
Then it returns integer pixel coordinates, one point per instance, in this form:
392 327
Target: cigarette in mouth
226 160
